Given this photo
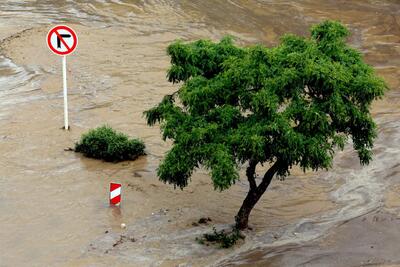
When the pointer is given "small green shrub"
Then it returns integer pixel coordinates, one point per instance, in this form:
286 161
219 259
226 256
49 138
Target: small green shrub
107 144
224 239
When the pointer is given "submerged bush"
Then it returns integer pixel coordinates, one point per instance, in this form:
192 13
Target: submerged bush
107 144
222 238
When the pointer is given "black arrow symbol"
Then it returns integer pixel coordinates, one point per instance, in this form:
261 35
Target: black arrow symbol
62 36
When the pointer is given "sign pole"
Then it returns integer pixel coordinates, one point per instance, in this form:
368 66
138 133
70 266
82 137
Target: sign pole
64 70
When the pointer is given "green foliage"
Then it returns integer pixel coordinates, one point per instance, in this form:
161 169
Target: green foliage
107 144
222 238
295 104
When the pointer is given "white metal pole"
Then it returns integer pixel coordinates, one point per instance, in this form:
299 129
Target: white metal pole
64 67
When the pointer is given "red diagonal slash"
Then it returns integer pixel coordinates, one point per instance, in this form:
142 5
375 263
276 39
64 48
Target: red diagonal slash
62 41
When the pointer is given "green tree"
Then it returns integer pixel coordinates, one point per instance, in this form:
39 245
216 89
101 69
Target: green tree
293 104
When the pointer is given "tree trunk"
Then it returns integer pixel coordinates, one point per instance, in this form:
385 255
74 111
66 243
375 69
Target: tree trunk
254 194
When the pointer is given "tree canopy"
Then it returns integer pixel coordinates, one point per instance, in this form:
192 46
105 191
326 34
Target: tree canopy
292 104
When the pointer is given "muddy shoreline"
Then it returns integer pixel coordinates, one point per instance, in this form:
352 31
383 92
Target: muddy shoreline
369 240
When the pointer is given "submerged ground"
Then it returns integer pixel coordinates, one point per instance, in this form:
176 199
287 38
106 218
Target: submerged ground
53 205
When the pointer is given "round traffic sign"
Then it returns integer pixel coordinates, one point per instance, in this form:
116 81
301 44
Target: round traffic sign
62 40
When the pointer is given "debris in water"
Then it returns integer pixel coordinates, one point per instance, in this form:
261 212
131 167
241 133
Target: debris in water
204 220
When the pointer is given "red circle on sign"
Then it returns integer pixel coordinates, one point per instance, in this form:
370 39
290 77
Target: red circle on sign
55 31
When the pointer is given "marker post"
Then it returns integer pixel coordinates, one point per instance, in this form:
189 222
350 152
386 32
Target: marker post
115 194
65 90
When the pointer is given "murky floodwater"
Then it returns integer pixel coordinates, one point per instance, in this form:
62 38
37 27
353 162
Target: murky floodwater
54 203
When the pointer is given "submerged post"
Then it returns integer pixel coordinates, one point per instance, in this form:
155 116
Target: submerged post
65 90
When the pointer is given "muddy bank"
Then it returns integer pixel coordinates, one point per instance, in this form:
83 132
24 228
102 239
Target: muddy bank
369 240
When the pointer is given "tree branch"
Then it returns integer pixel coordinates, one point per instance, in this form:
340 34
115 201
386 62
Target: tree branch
250 174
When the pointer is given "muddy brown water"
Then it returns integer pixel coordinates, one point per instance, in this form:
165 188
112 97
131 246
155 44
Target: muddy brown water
53 203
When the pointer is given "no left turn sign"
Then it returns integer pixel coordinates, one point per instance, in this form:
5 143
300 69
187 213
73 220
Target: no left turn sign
62 40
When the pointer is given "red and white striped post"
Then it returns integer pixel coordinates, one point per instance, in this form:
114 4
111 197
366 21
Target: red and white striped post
115 194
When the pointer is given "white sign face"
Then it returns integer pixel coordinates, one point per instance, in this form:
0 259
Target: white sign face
62 40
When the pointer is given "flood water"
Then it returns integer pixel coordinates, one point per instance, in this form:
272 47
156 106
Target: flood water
53 203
